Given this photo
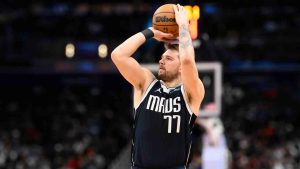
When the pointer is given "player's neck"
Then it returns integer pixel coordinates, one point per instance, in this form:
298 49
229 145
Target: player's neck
173 83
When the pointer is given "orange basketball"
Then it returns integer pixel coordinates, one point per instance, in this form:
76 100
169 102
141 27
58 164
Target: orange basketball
164 19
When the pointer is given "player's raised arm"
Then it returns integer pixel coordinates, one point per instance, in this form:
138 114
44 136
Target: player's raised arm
192 84
127 65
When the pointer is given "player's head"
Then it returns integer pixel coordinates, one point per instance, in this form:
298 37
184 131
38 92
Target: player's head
169 64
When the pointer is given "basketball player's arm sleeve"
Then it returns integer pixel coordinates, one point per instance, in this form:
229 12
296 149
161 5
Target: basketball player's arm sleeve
189 74
127 65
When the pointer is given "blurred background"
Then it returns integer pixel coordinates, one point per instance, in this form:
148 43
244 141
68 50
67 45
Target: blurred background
63 105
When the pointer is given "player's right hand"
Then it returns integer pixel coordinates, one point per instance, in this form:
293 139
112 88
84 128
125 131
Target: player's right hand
161 36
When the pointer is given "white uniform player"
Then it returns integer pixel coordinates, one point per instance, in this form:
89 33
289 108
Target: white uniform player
215 154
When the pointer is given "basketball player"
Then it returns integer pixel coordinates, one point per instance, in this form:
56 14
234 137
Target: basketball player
165 108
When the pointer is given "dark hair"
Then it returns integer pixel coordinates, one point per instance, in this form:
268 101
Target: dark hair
171 46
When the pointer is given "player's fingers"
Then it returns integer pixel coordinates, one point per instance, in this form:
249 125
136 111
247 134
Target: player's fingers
166 35
159 33
181 8
175 9
178 6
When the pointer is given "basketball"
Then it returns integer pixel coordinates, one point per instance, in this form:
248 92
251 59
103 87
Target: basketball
164 19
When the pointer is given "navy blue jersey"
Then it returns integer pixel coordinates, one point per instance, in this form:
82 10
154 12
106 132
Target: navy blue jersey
162 128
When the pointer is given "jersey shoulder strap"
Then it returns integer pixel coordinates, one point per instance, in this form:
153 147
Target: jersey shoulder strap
146 92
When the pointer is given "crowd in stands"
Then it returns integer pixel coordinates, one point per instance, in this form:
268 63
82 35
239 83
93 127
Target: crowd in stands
256 31
64 128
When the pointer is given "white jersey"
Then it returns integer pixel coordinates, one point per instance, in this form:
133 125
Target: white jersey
215 156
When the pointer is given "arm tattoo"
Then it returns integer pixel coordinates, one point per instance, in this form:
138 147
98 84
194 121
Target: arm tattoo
183 30
184 34
185 44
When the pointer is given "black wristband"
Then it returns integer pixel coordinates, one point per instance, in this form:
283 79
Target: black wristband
148 33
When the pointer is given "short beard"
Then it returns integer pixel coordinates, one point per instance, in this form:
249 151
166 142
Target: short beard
167 78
